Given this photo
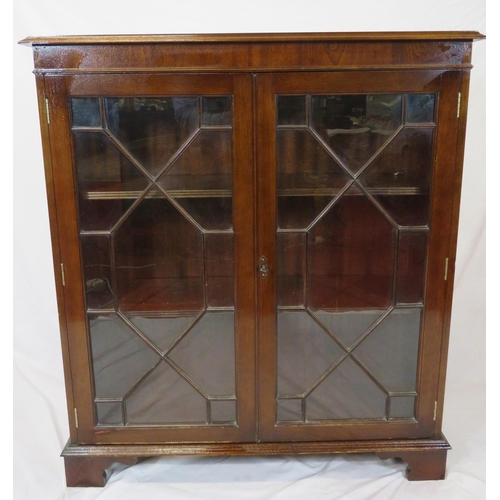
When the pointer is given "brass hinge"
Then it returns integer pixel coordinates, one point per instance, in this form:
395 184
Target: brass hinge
76 417
47 110
435 409
446 269
458 104
63 278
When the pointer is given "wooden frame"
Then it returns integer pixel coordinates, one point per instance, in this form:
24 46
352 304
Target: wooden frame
254 68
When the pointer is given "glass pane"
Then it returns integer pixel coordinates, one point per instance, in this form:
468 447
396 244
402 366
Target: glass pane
119 356
402 407
305 352
151 182
390 351
291 271
291 110
411 266
85 112
348 392
109 413
355 127
219 255
209 213
210 340
400 177
97 272
351 253
153 130
216 110
223 411
308 178
165 397
154 270
108 182
200 179
348 326
289 409
351 247
420 108
162 328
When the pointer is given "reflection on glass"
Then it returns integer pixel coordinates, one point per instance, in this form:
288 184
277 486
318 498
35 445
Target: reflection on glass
348 392
420 108
155 271
291 110
290 266
390 351
162 328
163 396
411 266
109 413
151 129
154 180
120 358
200 179
219 257
351 253
400 177
108 182
223 411
97 272
305 352
308 178
85 112
289 410
206 354
355 127
216 110
353 181
402 407
348 326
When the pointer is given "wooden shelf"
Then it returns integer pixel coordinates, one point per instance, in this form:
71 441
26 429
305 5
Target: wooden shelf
219 186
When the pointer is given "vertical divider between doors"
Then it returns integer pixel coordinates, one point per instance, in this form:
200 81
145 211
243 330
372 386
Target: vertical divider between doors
244 222
266 216
255 80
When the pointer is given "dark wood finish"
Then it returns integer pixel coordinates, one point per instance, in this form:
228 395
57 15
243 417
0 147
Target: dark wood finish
255 37
54 231
256 57
211 65
426 457
422 465
441 200
447 83
91 471
454 215
60 89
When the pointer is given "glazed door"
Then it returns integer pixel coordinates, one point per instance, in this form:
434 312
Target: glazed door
353 236
158 274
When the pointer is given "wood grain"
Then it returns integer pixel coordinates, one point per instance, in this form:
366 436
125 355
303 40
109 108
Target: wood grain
254 68
254 37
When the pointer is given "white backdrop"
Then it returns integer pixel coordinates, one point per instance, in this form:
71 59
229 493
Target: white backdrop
40 420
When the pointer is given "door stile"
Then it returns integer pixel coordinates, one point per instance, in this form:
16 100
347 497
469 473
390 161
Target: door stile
244 222
82 416
266 217
440 254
